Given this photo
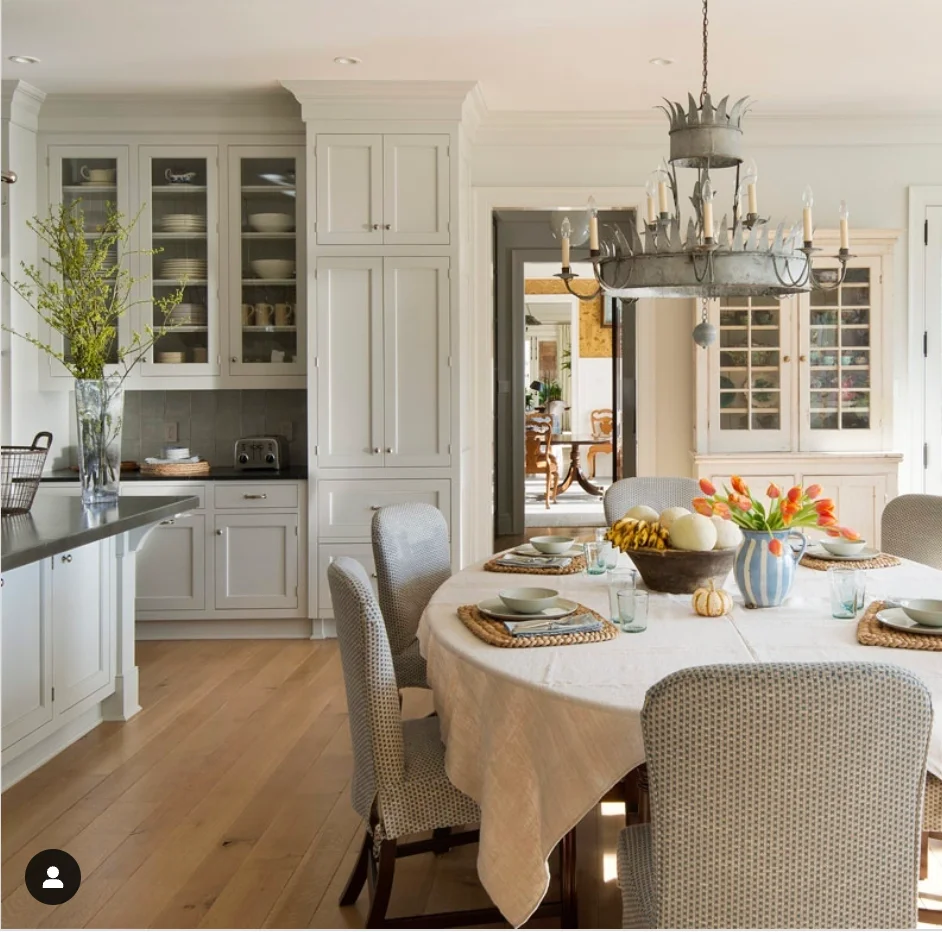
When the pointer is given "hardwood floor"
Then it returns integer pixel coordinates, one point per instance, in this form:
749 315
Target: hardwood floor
225 803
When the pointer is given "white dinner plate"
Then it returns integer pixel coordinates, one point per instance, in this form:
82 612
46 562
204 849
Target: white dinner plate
898 619
528 550
819 553
495 608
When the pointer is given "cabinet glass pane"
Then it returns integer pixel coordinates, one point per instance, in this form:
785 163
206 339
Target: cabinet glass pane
839 359
178 201
92 184
750 364
268 316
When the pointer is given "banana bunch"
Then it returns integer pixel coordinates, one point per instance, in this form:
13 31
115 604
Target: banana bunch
632 534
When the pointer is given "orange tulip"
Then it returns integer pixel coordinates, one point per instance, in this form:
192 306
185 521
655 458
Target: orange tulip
739 485
827 521
773 491
702 506
813 491
775 547
707 487
740 502
721 509
824 506
789 509
849 534
794 493
834 532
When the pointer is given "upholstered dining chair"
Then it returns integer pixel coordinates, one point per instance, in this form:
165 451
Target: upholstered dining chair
603 423
912 528
413 558
659 492
539 458
399 783
782 796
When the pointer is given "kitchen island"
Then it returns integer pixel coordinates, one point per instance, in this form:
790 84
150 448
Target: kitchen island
68 589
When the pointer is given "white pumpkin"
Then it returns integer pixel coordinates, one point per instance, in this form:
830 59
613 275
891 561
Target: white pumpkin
693 532
670 515
642 513
728 534
712 602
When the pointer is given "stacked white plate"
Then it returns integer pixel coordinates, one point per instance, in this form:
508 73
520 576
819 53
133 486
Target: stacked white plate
180 268
189 315
183 223
167 357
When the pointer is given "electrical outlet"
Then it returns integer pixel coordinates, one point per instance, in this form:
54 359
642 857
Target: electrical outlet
286 429
170 432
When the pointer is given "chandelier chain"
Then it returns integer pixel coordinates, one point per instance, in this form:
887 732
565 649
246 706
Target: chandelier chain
706 35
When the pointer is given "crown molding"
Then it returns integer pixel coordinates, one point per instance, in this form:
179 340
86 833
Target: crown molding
381 100
21 103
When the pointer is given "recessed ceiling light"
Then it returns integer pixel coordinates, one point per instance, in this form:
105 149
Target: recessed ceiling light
346 60
24 60
661 61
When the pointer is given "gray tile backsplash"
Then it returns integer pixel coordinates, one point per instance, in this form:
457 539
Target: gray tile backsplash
210 422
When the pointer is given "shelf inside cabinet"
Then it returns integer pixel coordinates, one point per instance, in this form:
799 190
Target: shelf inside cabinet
272 328
187 329
269 281
158 235
89 188
176 282
179 189
254 234
268 189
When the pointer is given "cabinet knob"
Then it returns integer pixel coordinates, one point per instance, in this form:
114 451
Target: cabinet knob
389 449
375 507
168 521
786 359
219 533
374 226
802 358
67 558
233 359
373 576
376 449
387 226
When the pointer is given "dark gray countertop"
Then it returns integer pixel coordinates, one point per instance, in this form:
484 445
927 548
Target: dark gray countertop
58 523
215 474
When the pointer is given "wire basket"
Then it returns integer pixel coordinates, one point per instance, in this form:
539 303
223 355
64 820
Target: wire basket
22 468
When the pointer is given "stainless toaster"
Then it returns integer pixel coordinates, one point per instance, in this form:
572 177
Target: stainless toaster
269 452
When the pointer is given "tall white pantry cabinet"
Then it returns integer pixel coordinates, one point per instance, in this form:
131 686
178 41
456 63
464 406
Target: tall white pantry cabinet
382 380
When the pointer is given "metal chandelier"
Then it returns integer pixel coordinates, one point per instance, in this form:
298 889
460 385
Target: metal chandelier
742 256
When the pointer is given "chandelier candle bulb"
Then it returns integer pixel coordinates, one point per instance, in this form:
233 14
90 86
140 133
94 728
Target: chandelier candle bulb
707 195
844 214
650 190
593 226
807 225
566 230
751 178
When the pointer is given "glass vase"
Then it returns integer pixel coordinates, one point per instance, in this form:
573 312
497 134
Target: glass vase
99 413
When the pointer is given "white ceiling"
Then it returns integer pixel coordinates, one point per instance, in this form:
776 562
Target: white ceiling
797 55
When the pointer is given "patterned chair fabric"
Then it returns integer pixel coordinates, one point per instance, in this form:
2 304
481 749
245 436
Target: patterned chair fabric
782 796
413 558
912 528
932 811
659 492
399 765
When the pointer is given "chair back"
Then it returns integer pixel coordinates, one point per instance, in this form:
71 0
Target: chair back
786 795
602 420
413 558
912 528
538 438
370 682
659 492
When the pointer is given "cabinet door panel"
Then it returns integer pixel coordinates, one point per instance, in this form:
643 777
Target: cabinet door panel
345 507
859 501
326 554
257 561
349 362
171 568
27 653
416 189
349 190
81 624
417 376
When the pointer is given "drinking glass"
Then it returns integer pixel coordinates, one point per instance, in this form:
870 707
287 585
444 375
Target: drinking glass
609 555
594 563
617 581
845 585
632 610
600 533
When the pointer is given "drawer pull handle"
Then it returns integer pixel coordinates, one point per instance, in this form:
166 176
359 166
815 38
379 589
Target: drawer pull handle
67 558
255 495
375 507
167 522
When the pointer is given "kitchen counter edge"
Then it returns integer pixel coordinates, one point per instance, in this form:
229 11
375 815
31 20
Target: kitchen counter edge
216 474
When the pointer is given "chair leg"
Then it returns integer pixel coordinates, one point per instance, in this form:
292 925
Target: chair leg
358 875
924 856
569 912
591 459
382 886
441 837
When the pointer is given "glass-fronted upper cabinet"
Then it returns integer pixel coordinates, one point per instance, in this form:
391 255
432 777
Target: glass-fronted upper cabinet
179 222
93 182
266 232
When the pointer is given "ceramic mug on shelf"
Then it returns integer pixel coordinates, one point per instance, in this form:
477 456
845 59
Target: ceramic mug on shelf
248 315
284 315
264 314
97 175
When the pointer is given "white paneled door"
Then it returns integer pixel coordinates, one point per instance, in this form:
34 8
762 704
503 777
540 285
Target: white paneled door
417 377
932 351
415 190
349 189
349 360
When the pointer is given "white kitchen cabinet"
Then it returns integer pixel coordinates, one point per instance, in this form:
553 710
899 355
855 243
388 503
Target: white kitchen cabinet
256 561
326 554
81 624
383 362
172 575
859 499
383 190
27 653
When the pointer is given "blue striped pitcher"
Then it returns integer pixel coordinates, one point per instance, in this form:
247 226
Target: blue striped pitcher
763 578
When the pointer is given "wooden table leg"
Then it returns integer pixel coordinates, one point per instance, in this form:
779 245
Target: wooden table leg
576 474
569 914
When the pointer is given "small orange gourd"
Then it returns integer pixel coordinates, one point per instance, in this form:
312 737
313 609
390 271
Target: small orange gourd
712 602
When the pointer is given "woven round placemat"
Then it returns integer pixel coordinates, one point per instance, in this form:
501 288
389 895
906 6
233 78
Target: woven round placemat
577 565
873 634
175 469
874 563
494 632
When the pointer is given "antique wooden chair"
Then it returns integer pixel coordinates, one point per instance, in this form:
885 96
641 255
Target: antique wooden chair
539 457
603 420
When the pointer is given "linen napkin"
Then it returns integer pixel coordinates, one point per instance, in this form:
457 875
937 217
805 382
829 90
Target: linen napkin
574 624
516 559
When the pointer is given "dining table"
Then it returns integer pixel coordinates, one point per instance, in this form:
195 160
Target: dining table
576 473
536 736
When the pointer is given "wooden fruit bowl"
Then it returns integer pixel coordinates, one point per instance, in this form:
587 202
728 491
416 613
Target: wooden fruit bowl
682 571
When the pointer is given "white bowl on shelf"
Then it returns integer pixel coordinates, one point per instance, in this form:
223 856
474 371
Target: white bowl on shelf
274 268
271 223
168 357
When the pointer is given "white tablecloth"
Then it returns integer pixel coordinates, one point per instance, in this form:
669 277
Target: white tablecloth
536 736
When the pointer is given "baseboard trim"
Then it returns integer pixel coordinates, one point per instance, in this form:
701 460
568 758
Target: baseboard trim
233 629
323 628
